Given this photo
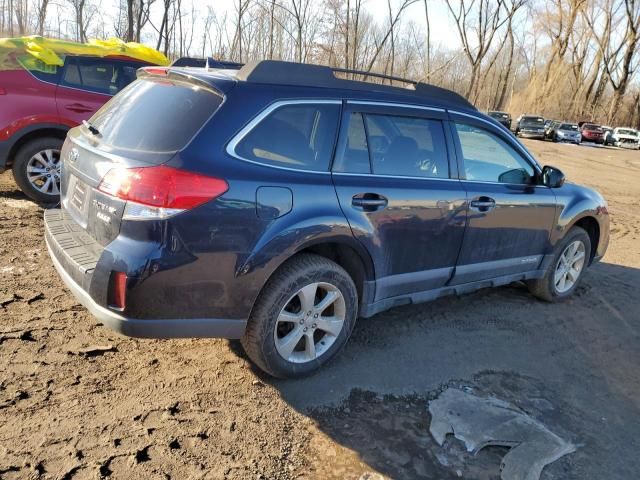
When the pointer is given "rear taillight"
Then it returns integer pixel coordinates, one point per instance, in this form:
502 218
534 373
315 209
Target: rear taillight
160 192
119 290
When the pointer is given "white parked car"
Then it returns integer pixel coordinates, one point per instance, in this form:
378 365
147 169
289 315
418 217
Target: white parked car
625 137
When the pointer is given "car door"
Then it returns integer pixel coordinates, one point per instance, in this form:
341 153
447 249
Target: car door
393 176
87 83
510 215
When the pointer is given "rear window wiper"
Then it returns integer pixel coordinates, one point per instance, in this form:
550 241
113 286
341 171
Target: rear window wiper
91 128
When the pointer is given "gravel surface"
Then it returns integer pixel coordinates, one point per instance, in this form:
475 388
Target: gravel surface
78 401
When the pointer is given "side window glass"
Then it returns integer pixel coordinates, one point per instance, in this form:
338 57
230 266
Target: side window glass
39 69
293 136
96 75
407 146
355 156
488 158
125 74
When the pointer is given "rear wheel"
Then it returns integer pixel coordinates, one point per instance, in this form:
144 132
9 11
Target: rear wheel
302 318
565 272
36 169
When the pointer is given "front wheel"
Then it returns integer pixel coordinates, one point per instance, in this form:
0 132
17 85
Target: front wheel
302 318
565 272
36 169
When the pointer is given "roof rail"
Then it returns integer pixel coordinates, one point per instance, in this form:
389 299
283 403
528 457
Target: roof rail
274 72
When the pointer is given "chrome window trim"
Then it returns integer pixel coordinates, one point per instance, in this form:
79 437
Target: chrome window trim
405 177
394 105
518 147
501 183
238 137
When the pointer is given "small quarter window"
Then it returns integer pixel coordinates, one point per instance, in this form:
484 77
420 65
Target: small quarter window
488 158
299 136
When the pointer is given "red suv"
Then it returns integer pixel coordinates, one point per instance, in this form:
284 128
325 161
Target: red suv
39 106
592 133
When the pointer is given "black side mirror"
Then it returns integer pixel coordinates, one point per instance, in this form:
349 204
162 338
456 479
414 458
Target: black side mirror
518 176
552 177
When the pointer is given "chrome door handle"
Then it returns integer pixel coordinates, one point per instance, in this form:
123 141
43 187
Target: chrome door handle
369 201
483 204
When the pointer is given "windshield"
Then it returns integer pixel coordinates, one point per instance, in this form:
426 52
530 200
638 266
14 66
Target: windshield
569 126
624 131
498 115
591 126
533 121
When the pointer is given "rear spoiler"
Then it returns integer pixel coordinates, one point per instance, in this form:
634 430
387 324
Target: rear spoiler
217 86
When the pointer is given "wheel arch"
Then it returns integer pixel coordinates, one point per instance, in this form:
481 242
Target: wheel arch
592 227
31 133
344 250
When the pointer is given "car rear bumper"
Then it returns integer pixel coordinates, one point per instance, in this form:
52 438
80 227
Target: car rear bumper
67 257
623 144
531 134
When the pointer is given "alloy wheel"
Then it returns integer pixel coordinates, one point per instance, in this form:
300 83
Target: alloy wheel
569 266
43 171
310 322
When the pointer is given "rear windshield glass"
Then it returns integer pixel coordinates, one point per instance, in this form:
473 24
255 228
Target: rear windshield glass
569 126
155 115
624 131
533 120
591 126
498 115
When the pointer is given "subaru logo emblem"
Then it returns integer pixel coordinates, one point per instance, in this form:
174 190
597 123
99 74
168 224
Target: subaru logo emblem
73 155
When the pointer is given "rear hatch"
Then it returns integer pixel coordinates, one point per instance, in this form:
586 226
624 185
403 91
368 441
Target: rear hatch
145 125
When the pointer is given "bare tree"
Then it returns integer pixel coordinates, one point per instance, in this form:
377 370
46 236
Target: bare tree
477 24
618 56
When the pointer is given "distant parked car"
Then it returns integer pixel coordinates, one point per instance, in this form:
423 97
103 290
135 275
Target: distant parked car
591 132
502 117
607 134
49 86
549 128
531 126
566 132
625 137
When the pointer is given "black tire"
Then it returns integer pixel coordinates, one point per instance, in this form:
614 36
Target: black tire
21 161
304 269
545 288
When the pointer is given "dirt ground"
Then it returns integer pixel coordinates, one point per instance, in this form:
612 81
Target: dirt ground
78 401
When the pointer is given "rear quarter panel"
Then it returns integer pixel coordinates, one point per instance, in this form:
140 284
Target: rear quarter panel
224 251
27 102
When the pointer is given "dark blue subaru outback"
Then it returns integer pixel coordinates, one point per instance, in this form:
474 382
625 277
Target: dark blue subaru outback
278 203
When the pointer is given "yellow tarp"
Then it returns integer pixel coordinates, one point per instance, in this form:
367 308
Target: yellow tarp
39 53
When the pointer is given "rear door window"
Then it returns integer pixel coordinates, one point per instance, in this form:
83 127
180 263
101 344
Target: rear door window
298 136
355 154
407 146
99 75
155 115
